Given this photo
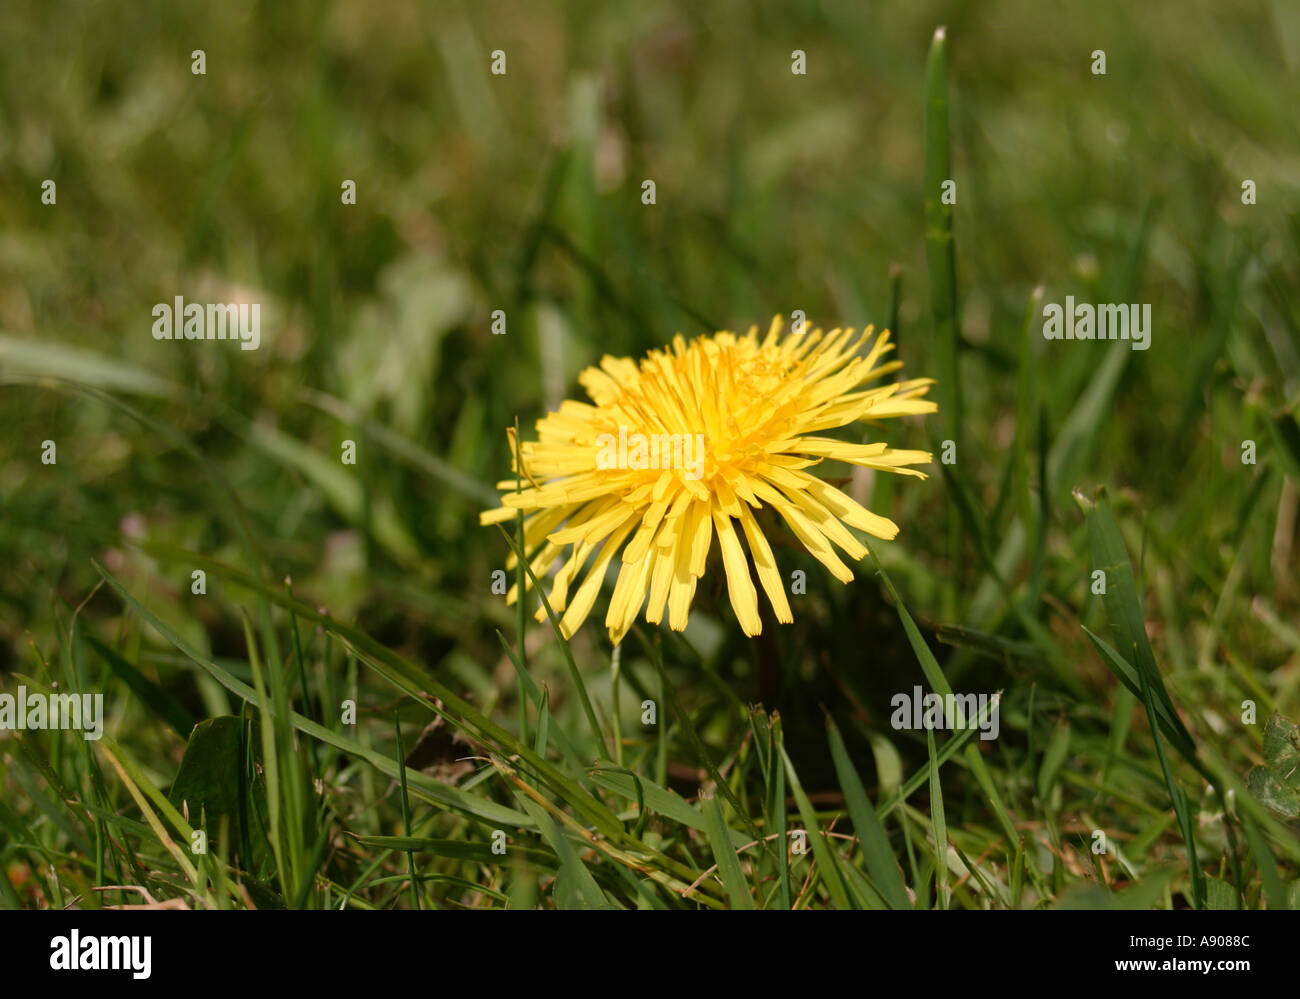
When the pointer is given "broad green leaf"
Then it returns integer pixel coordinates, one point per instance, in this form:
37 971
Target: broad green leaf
209 780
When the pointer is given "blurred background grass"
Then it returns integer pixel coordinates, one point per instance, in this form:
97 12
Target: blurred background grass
522 192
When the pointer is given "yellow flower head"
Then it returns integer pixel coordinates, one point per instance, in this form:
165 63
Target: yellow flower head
690 442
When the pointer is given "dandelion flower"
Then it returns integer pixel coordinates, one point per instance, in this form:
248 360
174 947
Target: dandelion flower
686 445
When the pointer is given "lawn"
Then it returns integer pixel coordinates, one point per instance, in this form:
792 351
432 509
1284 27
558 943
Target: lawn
265 557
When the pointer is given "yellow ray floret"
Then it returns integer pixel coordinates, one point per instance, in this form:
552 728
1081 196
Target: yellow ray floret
684 447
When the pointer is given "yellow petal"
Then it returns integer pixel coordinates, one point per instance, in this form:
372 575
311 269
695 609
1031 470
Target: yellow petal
768 574
697 535
744 598
629 594
580 607
682 591
848 509
637 547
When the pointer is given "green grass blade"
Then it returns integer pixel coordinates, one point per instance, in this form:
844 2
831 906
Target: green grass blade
939 824
822 849
733 879
940 253
871 834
